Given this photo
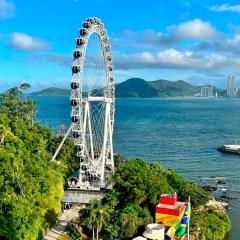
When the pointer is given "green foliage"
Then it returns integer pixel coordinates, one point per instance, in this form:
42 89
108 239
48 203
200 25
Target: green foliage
73 233
132 217
95 216
131 204
213 224
15 105
31 186
185 189
137 188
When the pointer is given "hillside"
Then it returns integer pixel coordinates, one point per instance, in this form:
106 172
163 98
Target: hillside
135 87
172 89
52 91
138 88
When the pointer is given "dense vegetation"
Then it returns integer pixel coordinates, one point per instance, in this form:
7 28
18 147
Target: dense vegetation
213 224
31 186
130 206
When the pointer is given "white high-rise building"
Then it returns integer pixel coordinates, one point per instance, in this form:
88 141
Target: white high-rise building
231 86
207 91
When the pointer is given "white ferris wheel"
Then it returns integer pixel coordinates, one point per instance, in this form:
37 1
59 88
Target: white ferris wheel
93 105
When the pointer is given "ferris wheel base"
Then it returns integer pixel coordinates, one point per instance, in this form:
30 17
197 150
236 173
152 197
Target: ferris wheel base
82 196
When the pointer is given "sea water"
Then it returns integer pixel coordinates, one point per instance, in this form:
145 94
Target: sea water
180 133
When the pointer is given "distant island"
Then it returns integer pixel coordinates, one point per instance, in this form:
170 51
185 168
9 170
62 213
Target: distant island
140 88
52 91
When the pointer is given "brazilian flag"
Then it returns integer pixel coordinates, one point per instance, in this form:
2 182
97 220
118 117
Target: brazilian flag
182 227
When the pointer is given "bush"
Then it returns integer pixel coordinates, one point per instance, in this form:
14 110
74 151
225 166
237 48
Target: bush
213 224
73 233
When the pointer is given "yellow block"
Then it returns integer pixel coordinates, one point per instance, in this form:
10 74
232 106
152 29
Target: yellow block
168 220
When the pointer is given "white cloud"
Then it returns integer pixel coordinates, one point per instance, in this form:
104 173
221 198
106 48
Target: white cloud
171 59
235 41
226 8
194 29
24 42
7 9
150 39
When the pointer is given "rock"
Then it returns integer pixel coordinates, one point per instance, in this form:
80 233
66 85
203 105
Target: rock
220 182
221 205
208 188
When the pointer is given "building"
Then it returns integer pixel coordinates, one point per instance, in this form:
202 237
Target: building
169 211
171 220
207 91
231 86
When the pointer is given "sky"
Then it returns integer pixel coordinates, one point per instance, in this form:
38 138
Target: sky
193 40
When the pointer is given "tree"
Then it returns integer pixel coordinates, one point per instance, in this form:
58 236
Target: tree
31 186
95 216
4 132
132 217
25 86
14 104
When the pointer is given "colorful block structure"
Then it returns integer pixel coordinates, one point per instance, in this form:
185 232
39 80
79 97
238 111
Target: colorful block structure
169 211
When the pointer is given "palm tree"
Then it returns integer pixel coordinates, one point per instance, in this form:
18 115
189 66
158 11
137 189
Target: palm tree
87 218
95 216
130 221
102 216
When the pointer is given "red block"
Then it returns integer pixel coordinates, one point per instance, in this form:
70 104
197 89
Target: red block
170 210
168 199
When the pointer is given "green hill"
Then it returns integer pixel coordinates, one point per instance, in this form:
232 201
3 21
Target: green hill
139 88
135 87
52 91
172 89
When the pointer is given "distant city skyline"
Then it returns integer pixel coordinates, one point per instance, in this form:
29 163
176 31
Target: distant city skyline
207 91
200 44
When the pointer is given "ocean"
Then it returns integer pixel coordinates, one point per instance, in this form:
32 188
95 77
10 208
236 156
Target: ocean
180 133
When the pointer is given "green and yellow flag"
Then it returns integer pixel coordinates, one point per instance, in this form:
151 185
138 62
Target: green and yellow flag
183 226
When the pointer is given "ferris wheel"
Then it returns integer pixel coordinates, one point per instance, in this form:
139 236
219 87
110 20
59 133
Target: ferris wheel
93 106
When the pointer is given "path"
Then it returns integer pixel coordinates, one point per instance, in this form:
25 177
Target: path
58 229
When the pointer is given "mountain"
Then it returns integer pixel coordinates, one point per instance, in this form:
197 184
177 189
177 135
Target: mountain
135 87
139 88
172 89
52 91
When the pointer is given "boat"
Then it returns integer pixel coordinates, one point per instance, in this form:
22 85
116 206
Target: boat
230 148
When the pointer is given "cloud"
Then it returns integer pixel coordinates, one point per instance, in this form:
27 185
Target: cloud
150 39
231 45
24 42
226 8
7 9
195 29
171 59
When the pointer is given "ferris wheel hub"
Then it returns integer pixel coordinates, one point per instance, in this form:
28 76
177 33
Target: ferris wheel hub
98 99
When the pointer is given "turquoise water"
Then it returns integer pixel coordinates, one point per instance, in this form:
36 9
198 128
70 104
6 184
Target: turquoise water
182 134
